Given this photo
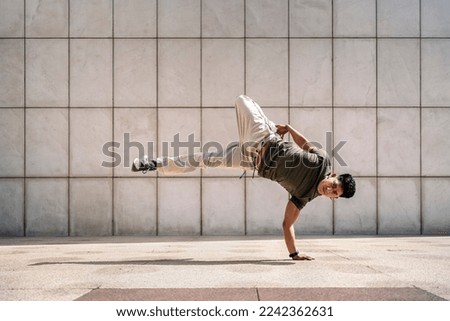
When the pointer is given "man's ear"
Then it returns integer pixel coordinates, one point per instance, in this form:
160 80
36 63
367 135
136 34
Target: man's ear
333 175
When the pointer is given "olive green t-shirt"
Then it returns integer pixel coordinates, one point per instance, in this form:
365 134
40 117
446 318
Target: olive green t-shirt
298 171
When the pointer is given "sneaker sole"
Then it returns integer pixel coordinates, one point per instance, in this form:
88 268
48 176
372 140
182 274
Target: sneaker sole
133 168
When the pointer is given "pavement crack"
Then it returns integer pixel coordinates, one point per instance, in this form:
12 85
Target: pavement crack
357 263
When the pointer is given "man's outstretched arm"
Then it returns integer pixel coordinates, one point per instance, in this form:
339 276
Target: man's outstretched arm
291 215
298 138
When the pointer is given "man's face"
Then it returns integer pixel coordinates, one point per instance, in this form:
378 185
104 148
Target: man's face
330 187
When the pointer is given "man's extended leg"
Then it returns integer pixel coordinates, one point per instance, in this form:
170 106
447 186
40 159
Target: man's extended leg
228 158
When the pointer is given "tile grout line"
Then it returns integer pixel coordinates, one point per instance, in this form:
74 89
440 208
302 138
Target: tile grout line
333 205
377 196
68 122
289 60
289 69
113 221
420 123
245 93
230 107
24 215
224 38
219 176
157 117
201 112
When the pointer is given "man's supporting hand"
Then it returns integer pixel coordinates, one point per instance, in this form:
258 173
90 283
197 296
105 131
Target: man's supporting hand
282 130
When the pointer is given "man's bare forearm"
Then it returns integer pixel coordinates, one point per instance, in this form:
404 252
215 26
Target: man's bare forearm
299 139
289 238
290 217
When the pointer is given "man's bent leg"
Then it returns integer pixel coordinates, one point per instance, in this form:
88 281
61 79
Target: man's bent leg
254 127
253 124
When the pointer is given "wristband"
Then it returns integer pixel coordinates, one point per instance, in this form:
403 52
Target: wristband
292 255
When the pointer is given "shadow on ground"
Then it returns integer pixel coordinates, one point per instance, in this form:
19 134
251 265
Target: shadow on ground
183 262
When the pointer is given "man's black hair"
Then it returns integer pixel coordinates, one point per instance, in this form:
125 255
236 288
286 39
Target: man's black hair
348 185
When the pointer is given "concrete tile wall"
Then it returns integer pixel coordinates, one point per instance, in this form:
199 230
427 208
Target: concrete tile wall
310 18
223 205
90 206
400 18
47 206
310 72
223 19
12 143
270 83
12 207
135 206
222 66
135 18
13 71
179 202
47 147
398 72
355 72
399 206
46 18
86 85
90 72
354 18
132 85
47 73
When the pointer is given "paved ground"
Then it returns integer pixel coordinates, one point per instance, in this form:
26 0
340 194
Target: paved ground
224 268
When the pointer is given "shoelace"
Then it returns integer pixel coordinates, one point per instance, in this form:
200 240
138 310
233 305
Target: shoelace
147 167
